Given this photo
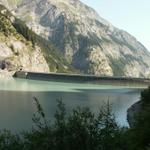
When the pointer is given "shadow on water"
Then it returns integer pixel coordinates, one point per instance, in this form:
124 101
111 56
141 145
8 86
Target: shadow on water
17 107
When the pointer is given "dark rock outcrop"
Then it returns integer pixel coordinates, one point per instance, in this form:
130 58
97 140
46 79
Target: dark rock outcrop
132 112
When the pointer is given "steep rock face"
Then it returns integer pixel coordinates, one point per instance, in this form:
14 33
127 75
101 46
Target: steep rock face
88 42
15 52
22 49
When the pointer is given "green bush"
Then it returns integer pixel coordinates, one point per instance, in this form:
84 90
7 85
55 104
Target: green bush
81 130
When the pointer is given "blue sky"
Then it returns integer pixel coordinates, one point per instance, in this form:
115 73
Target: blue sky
132 16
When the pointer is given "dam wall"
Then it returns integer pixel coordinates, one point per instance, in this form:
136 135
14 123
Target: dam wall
76 78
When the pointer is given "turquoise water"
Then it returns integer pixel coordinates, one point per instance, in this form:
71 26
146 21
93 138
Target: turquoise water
17 105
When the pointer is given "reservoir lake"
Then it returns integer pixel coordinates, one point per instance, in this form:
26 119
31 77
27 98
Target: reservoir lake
17 105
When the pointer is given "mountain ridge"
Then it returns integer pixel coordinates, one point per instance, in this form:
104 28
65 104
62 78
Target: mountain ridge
89 42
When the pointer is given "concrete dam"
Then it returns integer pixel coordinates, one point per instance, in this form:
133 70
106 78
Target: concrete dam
78 78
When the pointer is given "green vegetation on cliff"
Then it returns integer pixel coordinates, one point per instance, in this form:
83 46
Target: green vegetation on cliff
11 26
52 55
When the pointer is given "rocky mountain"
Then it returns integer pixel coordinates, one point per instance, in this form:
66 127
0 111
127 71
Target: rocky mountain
22 49
88 42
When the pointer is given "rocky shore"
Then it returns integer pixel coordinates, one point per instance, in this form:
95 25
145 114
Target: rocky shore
5 73
132 112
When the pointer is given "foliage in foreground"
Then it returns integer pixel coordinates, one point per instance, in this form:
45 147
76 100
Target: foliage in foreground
82 130
140 133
